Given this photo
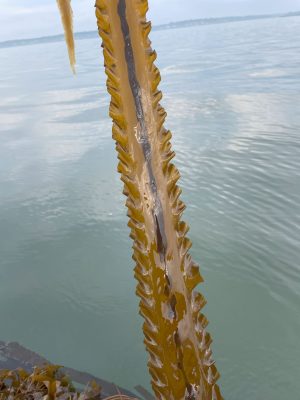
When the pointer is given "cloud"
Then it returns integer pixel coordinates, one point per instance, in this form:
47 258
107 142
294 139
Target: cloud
32 18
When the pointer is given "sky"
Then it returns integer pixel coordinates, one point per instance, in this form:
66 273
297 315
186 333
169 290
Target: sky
36 18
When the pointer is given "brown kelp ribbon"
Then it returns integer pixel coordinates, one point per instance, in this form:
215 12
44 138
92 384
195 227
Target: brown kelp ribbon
179 346
67 21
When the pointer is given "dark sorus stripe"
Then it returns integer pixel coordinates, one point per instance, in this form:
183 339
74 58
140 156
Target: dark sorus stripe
143 136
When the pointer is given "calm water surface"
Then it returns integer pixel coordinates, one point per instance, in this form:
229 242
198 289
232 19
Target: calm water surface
232 92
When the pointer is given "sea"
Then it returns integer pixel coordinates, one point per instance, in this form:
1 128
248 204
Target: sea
67 290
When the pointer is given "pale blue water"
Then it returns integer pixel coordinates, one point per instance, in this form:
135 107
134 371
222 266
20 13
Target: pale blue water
232 92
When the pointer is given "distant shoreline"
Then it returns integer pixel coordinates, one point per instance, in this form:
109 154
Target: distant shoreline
171 25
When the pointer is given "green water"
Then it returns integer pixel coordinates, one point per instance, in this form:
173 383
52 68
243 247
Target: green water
232 92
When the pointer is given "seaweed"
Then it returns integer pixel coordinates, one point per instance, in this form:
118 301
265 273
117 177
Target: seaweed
67 21
47 383
43 383
176 338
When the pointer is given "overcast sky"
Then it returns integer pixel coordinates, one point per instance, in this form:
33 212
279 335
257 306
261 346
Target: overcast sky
32 18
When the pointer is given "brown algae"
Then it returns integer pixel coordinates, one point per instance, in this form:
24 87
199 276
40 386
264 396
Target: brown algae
176 338
66 14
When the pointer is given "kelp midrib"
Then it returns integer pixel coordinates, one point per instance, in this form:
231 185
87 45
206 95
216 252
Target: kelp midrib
147 151
161 239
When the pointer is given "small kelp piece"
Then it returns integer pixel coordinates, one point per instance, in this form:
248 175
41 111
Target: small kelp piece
67 21
46 382
180 361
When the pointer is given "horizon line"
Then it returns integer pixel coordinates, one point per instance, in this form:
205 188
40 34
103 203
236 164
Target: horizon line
167 25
